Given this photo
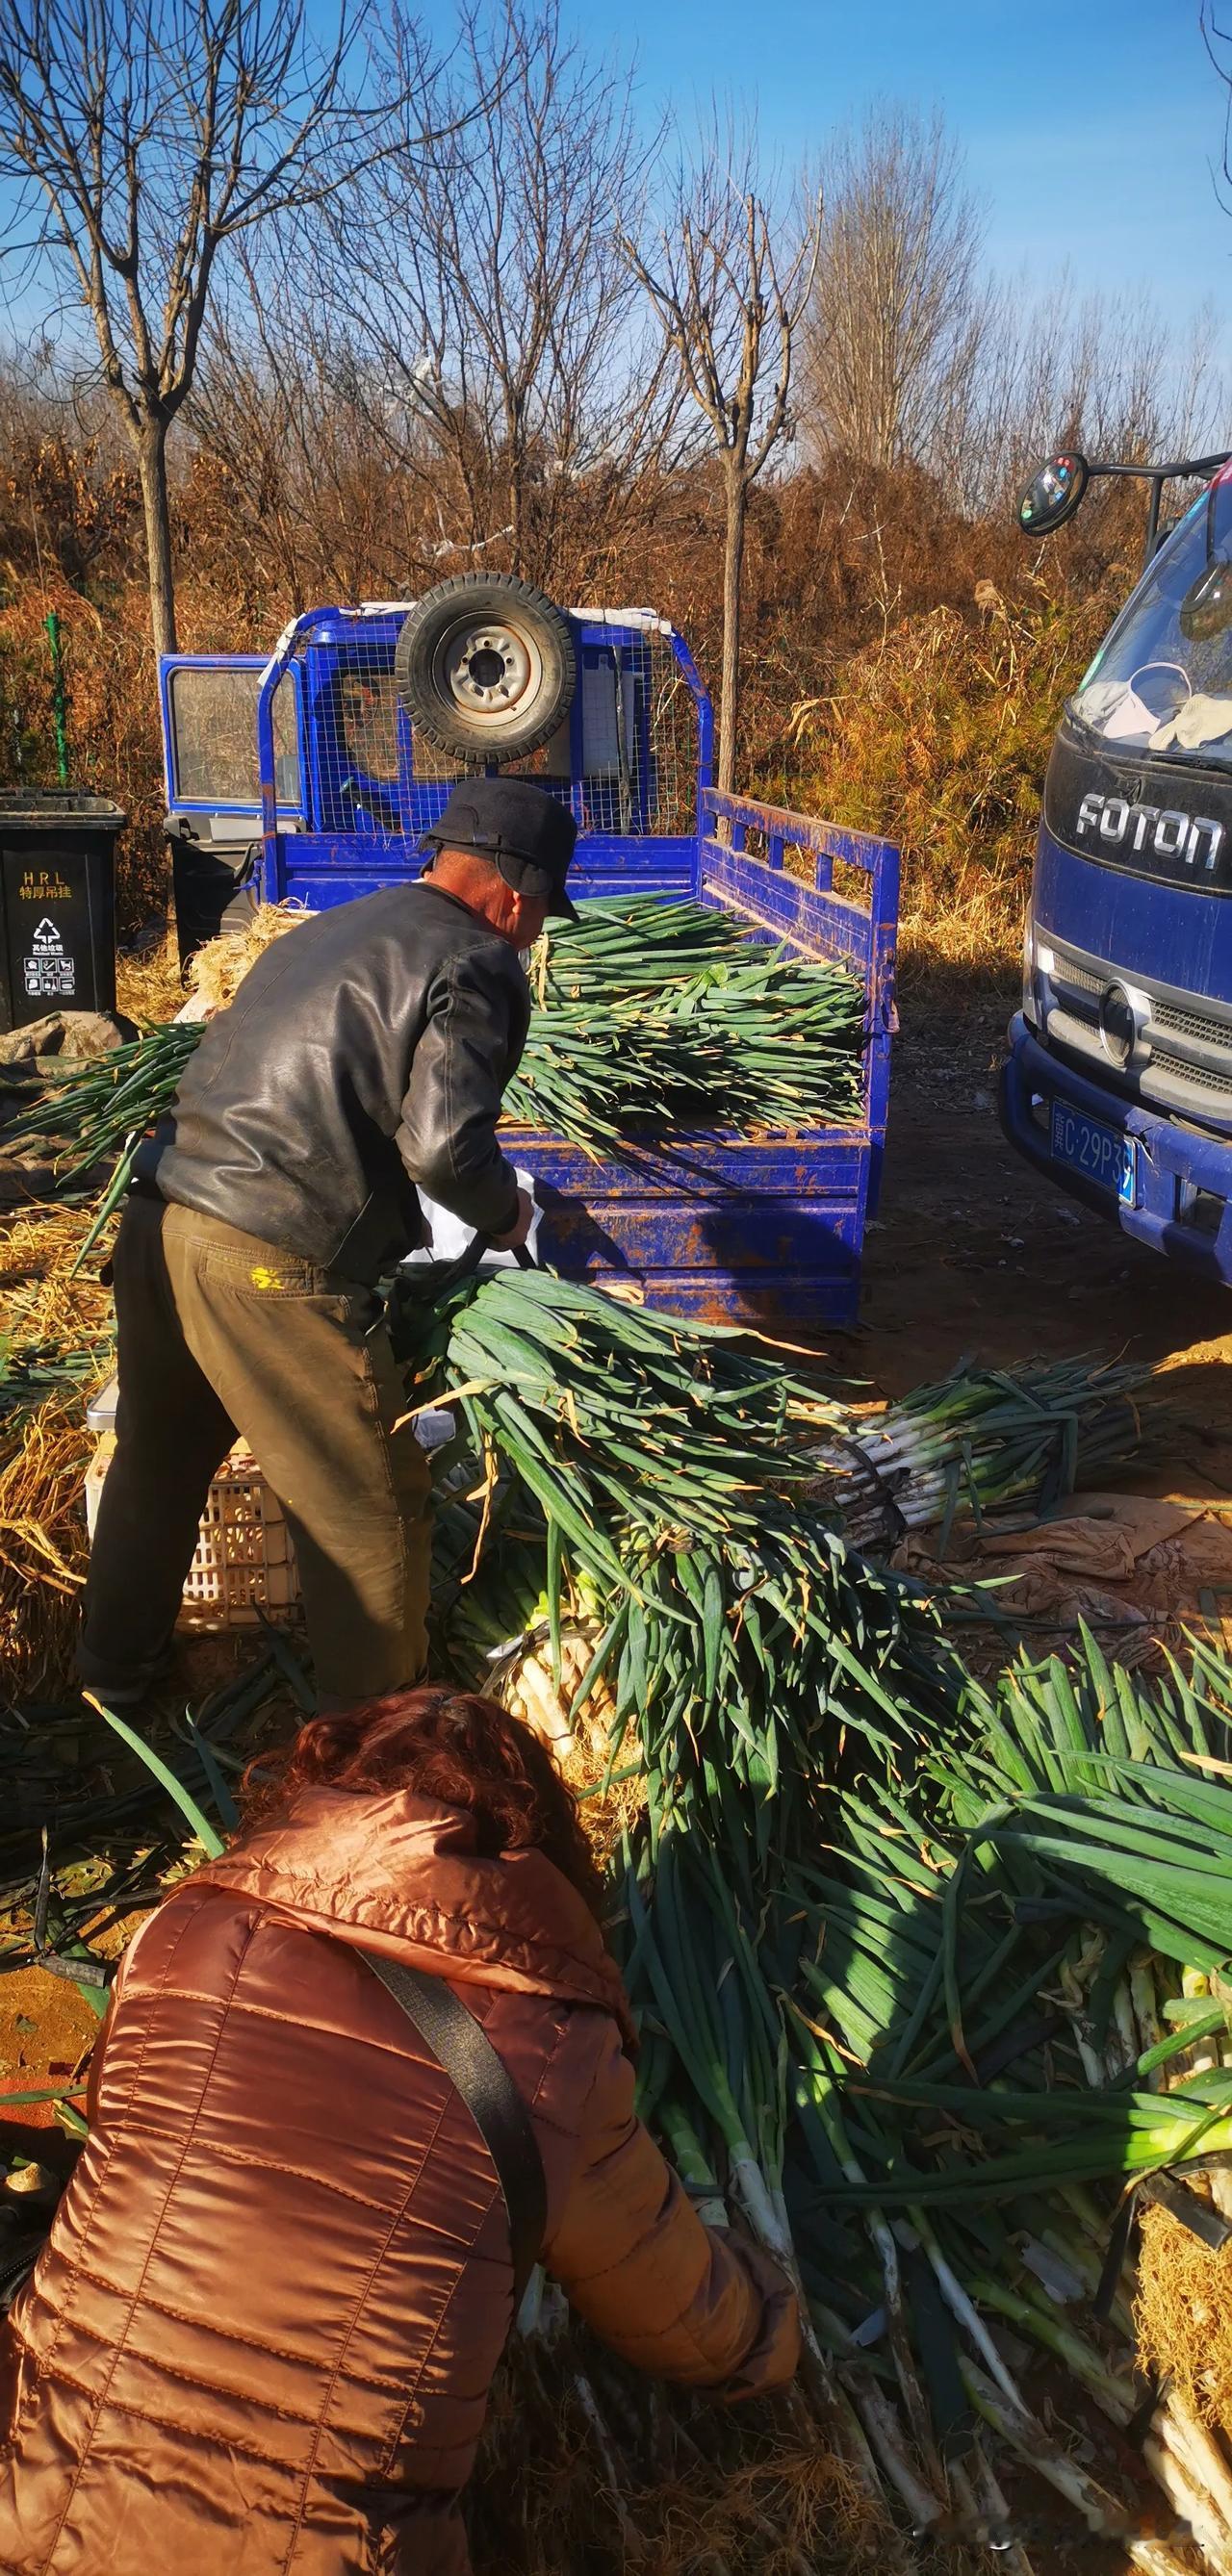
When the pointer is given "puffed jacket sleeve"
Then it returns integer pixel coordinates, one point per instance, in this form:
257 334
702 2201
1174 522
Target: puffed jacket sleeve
478 1011
675 2298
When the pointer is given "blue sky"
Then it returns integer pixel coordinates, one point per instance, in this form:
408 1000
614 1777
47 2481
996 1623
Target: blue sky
1090 130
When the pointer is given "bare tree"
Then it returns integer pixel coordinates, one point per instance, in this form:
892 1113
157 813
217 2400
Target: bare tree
486 318
900 308
1106 373
1218 41
281 423
147 135
728 296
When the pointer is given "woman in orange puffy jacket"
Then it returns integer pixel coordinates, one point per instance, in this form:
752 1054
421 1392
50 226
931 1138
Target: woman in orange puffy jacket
263 2330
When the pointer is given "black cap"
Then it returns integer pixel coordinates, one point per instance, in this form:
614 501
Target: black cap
528 836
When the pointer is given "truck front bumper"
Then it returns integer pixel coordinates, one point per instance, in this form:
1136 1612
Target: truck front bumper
1183 1193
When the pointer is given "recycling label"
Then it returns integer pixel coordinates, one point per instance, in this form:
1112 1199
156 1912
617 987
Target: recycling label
49 973
56 931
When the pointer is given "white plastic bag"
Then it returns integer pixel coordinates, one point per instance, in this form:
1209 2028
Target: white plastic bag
449 1238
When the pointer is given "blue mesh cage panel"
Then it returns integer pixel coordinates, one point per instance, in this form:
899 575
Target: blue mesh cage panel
626 758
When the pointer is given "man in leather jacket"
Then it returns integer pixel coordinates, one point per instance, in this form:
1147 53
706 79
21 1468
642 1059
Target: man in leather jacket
364 1058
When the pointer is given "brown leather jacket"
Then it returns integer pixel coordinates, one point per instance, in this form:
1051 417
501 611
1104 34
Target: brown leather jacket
262 2334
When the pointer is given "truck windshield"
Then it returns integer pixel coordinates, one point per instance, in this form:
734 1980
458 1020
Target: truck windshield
1162 680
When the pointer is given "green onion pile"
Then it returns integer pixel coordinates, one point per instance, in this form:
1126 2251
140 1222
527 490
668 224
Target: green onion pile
655 1015
931 1974
650 1015
918 1964
927 1971
927 2056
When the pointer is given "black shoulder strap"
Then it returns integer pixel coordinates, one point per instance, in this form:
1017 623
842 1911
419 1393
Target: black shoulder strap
485 2085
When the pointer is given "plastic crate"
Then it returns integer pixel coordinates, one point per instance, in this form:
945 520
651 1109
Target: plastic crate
245 1559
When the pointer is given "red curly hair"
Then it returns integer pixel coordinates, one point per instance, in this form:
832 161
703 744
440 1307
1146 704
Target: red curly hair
466 1752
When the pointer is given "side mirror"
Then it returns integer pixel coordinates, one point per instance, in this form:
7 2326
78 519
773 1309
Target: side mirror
1053 494
1206 609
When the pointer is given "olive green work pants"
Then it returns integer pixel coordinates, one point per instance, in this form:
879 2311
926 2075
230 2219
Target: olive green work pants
218 1336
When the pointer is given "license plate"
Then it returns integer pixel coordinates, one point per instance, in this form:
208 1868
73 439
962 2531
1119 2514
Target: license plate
1085 1145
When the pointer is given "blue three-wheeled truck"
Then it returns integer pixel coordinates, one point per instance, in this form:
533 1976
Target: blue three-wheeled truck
311 775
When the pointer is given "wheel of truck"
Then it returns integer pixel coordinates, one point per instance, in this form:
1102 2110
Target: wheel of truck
485 667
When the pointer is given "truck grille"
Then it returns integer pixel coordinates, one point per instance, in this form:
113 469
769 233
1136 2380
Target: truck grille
1190 1024
1190 1076
1195 1077
1070 972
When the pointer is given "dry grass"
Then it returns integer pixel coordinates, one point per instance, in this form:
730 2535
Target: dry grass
148 981
43 1549
964 936
938 739
42 1300
216 973
43 1458
771 2514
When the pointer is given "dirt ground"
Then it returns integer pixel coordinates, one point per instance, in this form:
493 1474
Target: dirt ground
973 1254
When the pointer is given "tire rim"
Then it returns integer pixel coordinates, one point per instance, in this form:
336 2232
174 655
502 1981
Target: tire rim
488 671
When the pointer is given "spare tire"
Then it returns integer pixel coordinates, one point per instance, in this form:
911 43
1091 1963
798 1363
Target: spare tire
485 667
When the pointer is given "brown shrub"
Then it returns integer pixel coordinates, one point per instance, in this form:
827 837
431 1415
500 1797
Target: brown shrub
904 668
938 739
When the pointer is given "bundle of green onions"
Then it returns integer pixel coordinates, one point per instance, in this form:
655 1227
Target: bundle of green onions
107 1108
1072 1850
671 1476
672 1423
597 1075
93 1112
983 1440
630 946
671 1470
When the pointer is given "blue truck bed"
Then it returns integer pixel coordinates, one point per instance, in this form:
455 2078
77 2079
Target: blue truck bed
765 1229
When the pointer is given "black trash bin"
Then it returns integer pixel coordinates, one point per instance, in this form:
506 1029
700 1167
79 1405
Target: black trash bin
213 875
57 904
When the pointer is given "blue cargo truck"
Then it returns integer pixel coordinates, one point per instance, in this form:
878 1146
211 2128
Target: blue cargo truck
312 773
1119 1078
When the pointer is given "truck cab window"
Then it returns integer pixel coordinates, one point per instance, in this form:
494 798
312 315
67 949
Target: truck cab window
214 737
